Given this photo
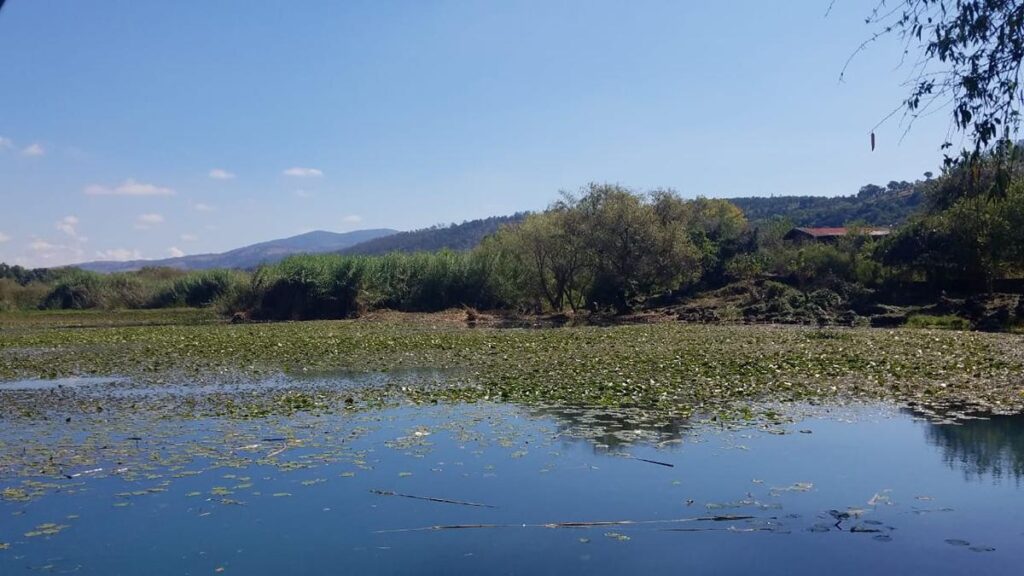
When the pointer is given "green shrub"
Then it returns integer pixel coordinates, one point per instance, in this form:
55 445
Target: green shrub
309 286
946 322
76 289
15 296
198 289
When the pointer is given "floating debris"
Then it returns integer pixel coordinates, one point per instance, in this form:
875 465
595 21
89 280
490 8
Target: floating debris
431 499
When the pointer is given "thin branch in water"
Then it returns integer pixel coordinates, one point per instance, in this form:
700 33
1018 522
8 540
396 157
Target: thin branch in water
631 457
431 499
580 524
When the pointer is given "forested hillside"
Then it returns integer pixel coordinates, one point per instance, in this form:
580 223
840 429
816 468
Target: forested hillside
458 237
875 205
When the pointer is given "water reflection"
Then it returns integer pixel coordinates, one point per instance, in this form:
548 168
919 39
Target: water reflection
987 447
386 491
610 429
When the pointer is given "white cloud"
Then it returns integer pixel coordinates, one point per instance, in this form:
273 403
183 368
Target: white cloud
300 172
352 219
34 150
50 254
6 143
146 221
128 188
68 225
43 246
200 207
44 253
221 174
175 252
4 238
119 254
303 194
189 238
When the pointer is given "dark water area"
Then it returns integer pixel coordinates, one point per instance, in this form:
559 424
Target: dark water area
493 488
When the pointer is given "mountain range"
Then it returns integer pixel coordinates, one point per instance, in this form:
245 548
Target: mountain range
873 205
253 255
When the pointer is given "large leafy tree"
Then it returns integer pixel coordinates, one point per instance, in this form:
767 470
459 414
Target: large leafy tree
965 54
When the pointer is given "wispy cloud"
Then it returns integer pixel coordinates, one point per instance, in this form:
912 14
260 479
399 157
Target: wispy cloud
352 219
147 221
302 194
4 238
221 174
42 246
6 143
45 253
175 252
189 238
300 172
129 187
119 254
34 150
69 226
201 207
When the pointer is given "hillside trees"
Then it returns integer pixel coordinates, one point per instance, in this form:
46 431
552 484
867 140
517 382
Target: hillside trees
969 234
614 247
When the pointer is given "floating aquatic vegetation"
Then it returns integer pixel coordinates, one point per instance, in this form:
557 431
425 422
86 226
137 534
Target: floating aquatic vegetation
47 529
678 370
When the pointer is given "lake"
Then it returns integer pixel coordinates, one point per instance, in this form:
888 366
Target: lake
509 489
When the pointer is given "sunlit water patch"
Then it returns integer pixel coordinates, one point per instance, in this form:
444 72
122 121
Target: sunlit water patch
36 384
496 488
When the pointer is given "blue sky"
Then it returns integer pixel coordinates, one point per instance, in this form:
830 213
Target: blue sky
144 129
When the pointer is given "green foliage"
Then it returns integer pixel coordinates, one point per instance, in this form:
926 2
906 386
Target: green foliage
198 289
946 322
971 235
969 60
876 205
16 296
24 276
820 264
77 289
309 286
458 237
336 286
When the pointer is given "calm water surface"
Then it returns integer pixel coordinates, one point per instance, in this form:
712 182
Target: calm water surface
840 491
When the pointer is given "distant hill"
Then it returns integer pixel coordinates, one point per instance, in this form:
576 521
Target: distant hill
873 205
454 237
251 256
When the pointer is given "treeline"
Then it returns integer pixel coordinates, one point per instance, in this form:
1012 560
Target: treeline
887 205
464 236
74 289
610 249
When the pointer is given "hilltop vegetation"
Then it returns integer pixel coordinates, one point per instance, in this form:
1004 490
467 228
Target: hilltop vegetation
465 236
874 205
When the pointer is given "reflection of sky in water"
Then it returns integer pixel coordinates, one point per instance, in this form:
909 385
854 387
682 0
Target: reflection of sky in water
293 496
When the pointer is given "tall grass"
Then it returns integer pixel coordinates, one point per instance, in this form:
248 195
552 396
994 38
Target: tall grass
198 289
334 286
15 296
147 288
308 286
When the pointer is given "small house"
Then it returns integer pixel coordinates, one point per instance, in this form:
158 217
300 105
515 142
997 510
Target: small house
832 234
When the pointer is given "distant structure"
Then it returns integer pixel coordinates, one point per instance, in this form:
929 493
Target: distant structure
831 234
